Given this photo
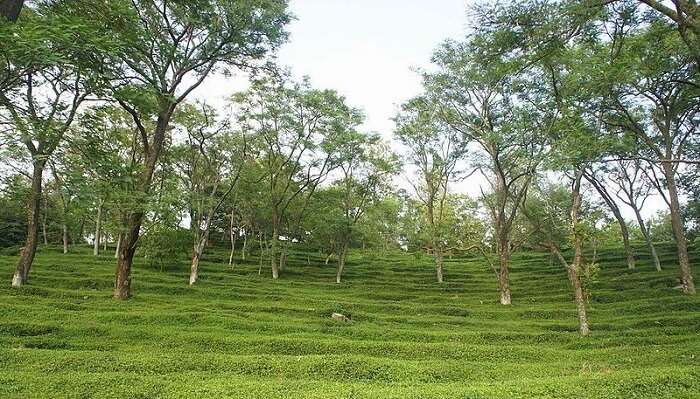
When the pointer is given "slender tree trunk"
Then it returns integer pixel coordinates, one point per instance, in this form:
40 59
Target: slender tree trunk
328 257
119 242
503 278
261 239
245 245
233 240
283 256
687 283
81 232
342 256
273 250
574 270
647 238
624 230
10 9
65 238
43 227
98 230
26 257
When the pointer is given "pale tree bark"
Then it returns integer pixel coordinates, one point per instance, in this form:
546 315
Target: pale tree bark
21 274
687 284
98 229
233 239
119 242
43 226
65 238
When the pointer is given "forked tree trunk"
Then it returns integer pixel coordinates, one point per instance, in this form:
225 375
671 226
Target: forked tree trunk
26 257
687 284
342 256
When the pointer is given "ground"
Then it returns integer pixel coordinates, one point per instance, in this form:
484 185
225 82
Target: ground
240 335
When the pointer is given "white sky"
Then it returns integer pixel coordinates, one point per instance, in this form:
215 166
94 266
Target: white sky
367 50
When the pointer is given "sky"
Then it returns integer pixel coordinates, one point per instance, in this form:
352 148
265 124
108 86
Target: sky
368 50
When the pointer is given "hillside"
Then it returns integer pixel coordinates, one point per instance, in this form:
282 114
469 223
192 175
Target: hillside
240 335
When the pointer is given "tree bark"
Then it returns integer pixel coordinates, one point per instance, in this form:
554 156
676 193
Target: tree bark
119 242
624 230
233 240
439 261
196 257
342 256
647 238
10 9
26 258
122 280
43 227
245 244
687 283
273 250
579 297
65 238
98 230
503 278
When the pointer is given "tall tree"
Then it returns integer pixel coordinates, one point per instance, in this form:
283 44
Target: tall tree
434 149
168 49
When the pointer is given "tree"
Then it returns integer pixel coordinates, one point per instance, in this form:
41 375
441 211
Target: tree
298 130
168 50
475 90
365 166
210 163
653 102
434 150
42 103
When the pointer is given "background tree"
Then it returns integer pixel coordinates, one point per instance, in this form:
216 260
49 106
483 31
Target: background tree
434 150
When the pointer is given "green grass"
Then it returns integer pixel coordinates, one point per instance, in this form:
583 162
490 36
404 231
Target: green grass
240 335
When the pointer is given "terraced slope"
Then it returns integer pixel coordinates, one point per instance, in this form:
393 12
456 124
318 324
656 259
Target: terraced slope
240 335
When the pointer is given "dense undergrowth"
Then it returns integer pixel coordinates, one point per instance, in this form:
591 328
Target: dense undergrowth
240 335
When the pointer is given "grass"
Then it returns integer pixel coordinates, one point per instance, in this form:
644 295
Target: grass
240 335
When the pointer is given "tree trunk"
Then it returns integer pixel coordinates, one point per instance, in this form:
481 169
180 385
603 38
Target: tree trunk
29 251
65 238
261 238
81 232
119 242
273 252
98 230
503 278
647 238
342 256
196 257
43 227
624 230
10 9
439 261
233 240
245 244
574 277
687 283
122 281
